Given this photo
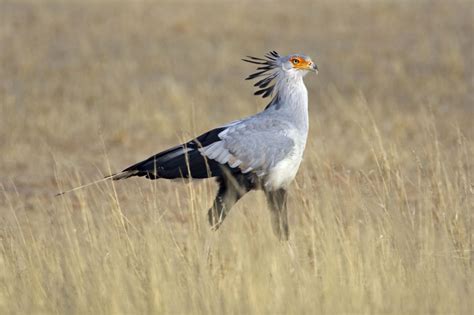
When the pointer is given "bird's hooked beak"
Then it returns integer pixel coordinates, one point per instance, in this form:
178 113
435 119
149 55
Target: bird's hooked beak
313 67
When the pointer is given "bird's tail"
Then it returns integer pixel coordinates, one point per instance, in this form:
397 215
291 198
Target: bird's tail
181 161
118 176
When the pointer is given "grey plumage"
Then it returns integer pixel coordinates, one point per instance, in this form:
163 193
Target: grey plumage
241 145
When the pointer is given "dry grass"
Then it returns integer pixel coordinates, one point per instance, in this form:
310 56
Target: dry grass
382 209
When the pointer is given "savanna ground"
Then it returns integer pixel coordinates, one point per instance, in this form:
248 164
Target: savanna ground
381 211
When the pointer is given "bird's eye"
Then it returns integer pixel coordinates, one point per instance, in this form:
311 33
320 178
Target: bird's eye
295 61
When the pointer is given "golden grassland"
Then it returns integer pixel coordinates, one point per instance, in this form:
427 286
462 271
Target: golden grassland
381 211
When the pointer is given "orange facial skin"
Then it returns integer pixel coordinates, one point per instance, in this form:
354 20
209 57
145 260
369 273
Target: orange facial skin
301 63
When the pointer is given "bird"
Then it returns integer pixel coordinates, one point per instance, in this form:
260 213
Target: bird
260 152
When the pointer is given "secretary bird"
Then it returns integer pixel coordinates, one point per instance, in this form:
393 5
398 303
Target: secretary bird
263 151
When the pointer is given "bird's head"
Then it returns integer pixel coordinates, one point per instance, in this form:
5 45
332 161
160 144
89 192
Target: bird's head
273 66
298 63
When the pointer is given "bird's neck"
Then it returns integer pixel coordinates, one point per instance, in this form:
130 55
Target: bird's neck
291 97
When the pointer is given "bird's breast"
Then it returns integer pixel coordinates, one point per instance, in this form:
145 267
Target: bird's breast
284 172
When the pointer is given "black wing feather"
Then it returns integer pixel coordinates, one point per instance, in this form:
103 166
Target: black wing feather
182 161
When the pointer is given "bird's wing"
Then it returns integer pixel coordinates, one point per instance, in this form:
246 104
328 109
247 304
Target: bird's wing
252 145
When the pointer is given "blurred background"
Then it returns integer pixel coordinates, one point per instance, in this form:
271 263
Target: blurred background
90 87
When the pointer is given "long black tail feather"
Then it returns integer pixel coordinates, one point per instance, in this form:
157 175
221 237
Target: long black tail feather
182 161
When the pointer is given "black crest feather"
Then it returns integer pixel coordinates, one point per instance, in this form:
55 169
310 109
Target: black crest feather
265 66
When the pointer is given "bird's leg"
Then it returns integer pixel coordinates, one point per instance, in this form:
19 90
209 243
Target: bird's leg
228 194
221 206
278 212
